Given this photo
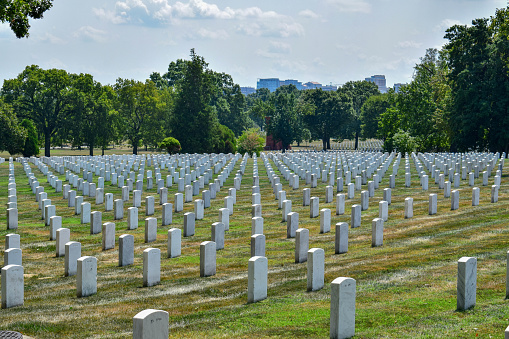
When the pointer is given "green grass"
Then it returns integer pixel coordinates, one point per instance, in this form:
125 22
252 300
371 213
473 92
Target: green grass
405 289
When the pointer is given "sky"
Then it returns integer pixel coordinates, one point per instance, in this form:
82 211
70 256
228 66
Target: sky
328 41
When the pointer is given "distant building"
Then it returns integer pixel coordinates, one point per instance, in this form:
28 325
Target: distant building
247 90
331 88
378 80
312 85
398 86
273 83
296 83
270 83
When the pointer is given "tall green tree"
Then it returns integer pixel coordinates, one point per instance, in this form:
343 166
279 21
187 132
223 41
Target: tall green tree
31 145
12 134
136 102
328 114
284 121
359 92
375 106
43 96
477 56
423 104
194 119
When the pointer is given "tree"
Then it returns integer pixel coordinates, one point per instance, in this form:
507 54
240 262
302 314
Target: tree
223 140
43 96
284 121
388 125
251 141
328 114
91 106
254 102
423 104
12 135
194 119
136 102
370 113
31 146
359 92
478 59
18 12
230 107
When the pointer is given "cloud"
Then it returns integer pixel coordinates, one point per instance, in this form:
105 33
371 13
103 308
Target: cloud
280 47
350 6
445 24
251 21
271 29
409 44
213 35
307 13
275 50
50 38
90 34
110 16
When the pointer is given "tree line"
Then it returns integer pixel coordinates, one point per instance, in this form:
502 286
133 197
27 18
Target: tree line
457 101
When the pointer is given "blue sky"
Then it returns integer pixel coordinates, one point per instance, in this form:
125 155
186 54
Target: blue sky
329 41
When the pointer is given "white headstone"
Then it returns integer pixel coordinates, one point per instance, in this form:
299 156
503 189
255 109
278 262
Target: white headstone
316 269
86 278
125 250
151 267
342 309
467 283
257 279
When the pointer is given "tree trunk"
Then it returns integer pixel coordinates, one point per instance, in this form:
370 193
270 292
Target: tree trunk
356 140
102 150
135 147
324 144
328 143
91 147
47 144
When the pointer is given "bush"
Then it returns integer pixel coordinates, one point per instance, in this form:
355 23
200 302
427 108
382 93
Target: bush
403 142
251 141
171 145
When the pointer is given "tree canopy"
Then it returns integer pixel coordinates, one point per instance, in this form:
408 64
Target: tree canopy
17 13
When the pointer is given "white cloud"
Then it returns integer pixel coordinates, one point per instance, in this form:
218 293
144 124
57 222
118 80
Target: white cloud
50 38
271 29
409 44
445 24
351 5
110 15
251 21
213 35
307 13
280 47
88 33
275 50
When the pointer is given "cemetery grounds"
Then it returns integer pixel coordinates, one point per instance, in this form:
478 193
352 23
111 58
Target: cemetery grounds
405 289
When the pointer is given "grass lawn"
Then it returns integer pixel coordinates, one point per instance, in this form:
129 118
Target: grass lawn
405 289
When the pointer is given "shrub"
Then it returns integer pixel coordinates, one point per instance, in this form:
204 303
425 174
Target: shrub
171 145
251 141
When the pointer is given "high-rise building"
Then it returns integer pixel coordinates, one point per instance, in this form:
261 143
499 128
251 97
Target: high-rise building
247 90
271 83
398 86
296 83
379 80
